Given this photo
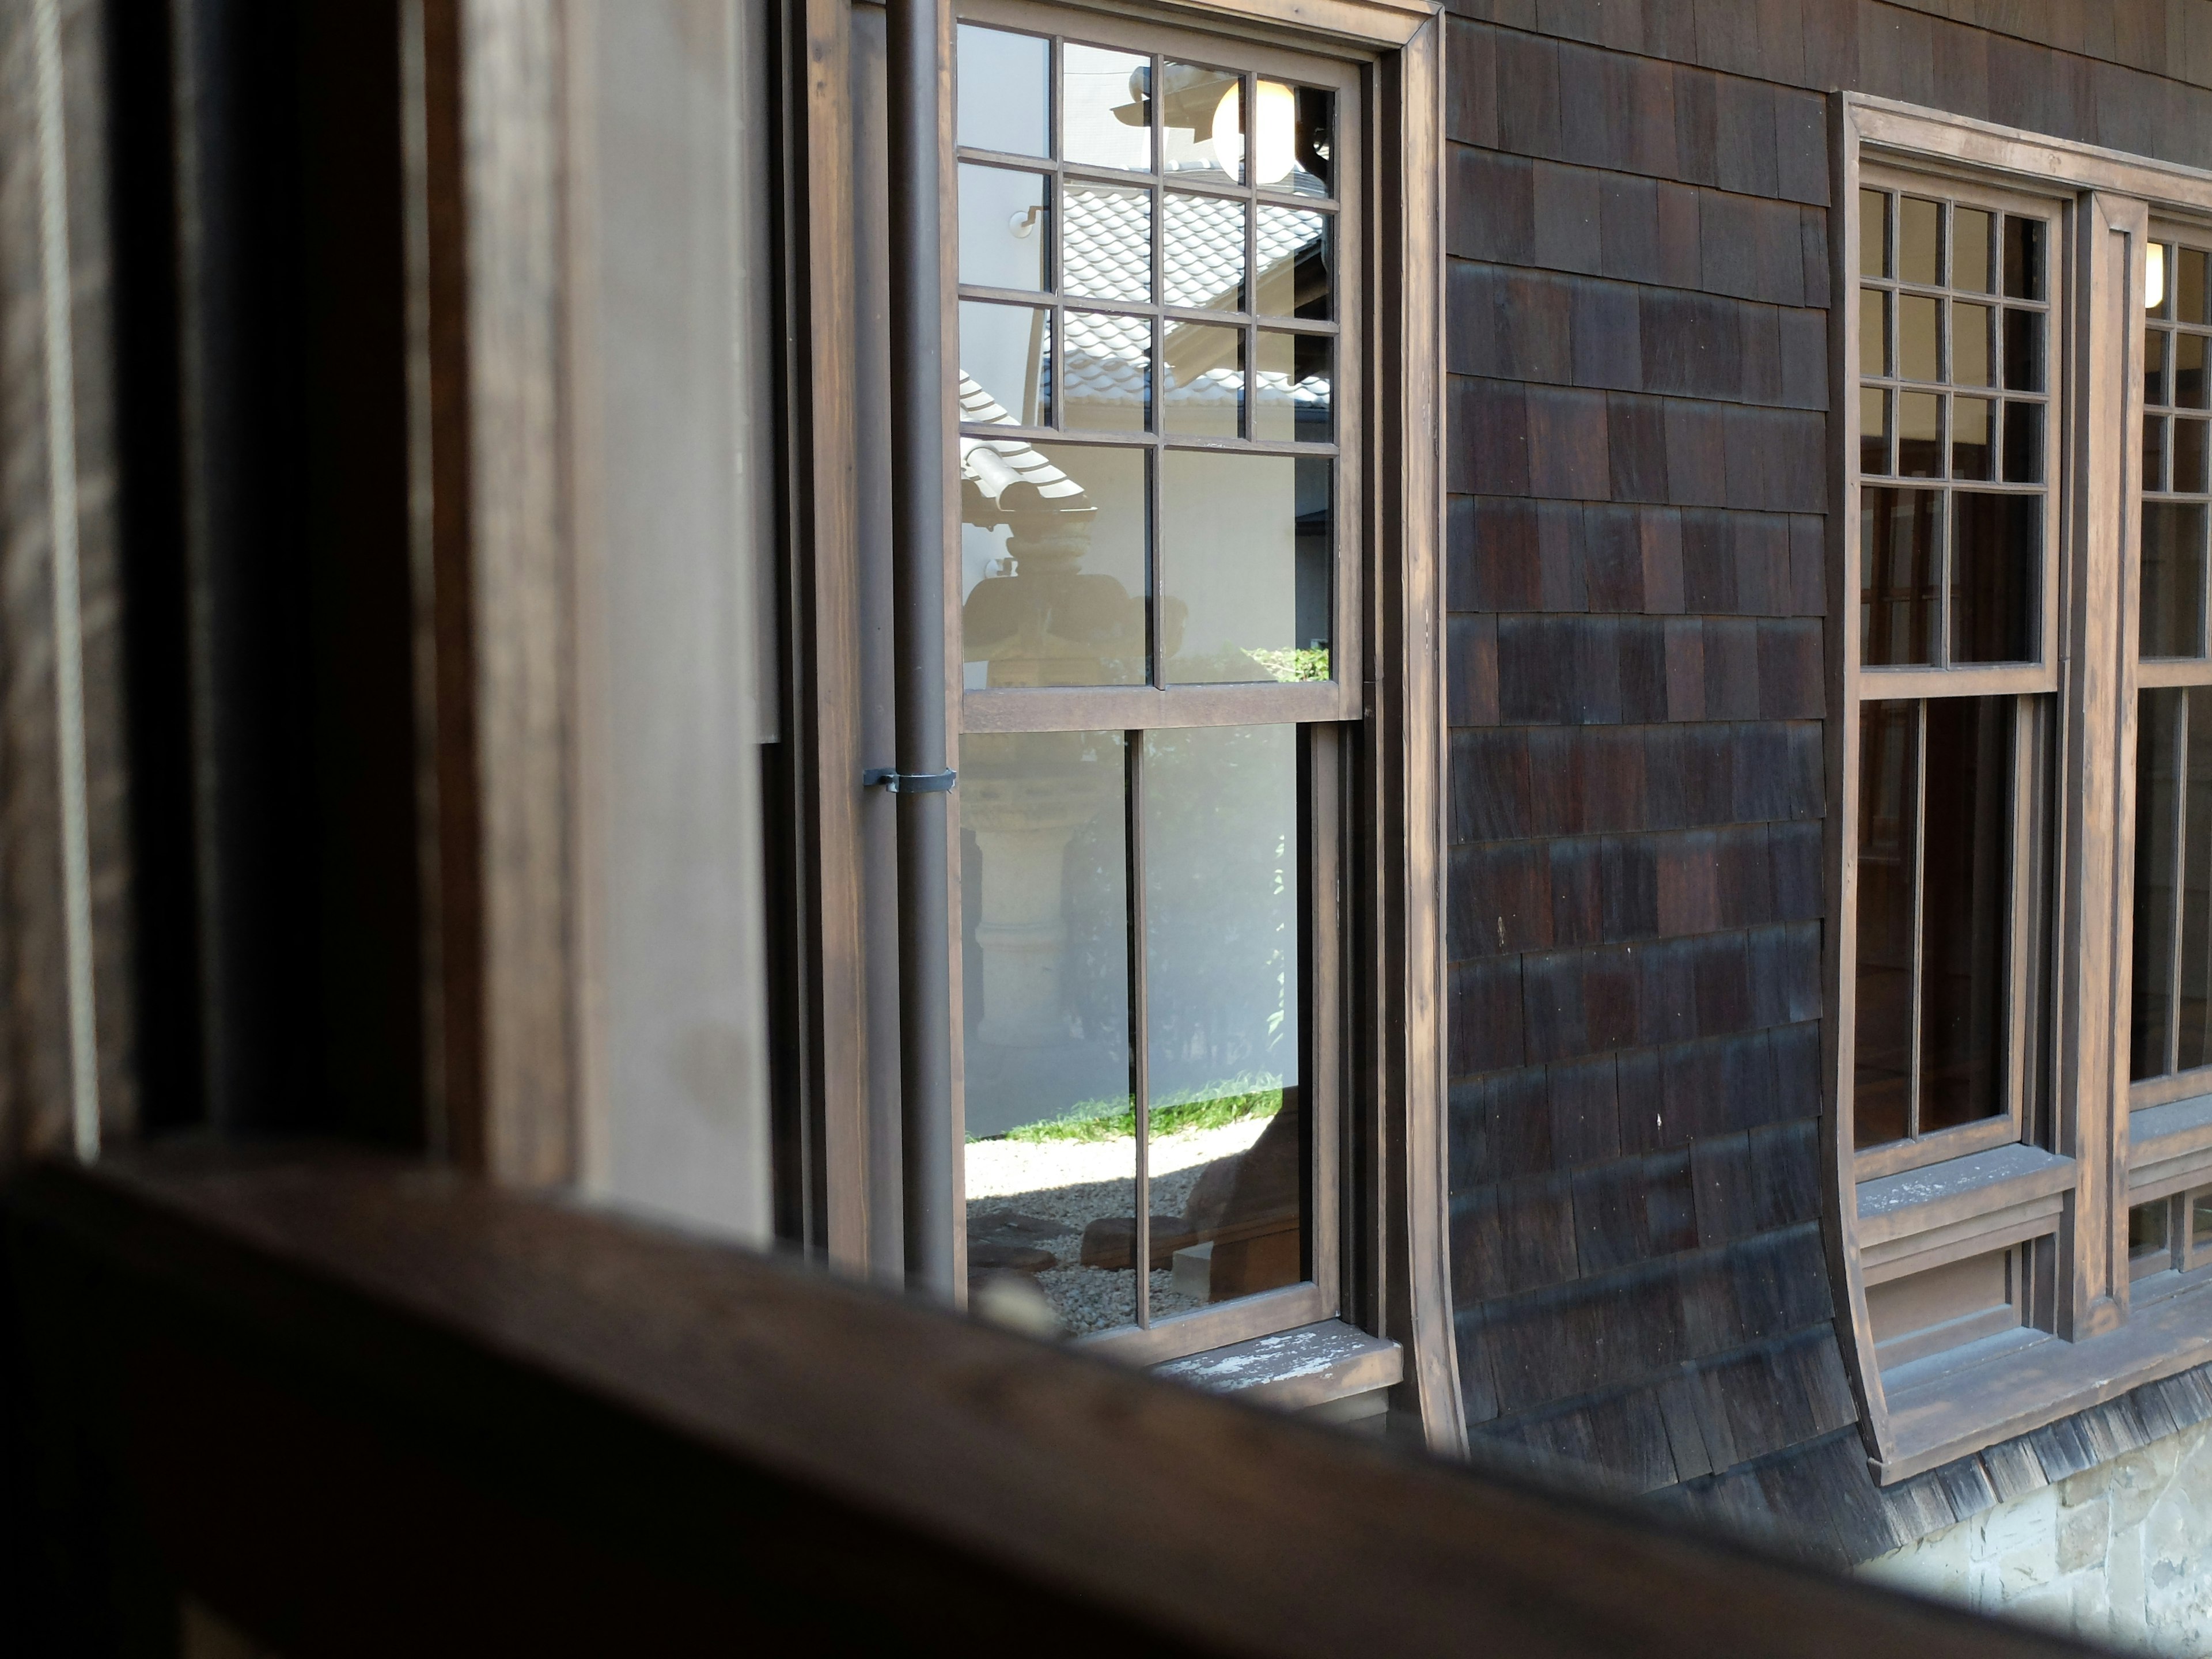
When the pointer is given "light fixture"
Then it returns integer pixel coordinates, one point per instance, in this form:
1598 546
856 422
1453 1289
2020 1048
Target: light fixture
1275 151
2154 278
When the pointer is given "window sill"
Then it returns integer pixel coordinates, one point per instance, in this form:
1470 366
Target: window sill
1925 1218
2007 1390
2169 1147
1291 1370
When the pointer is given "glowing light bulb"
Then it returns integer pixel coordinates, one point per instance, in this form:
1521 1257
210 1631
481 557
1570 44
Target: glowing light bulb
1275 150
2154 278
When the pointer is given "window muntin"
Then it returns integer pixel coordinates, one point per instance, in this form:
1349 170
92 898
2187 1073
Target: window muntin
2170 1011
1159 484
1957 521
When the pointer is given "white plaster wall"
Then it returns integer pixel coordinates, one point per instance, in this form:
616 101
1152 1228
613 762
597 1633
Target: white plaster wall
2120 1553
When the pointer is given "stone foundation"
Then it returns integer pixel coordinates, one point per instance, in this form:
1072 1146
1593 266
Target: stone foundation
2120 1553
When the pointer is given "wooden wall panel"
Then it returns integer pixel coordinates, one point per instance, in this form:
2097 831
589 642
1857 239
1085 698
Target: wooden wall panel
1637 342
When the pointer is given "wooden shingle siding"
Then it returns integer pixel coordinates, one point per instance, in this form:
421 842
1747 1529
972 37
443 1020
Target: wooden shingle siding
1637 227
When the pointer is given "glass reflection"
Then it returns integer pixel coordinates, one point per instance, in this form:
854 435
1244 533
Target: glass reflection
1294 263
1053 546
2153 453
1966 841
1996 544
2158 765
2189 371
1919 332
1005 227
2188 457
1051 1163
1202 121
1973 454
1874 430
1106 241
2023 257
2023 443
2173 579
1919 242
1919 434
1970 363
1106 110
1970 250
1889 784
2155 344
1292 389
1004 91
2193 991
1204 254
1222 962
1245 553
2190 293
1006 350
1873 331
1204 395
1873 233
1108 374
2023 350
1897 607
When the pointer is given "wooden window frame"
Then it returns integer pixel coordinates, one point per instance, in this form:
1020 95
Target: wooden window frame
2062 1186
1317 712
1390 1150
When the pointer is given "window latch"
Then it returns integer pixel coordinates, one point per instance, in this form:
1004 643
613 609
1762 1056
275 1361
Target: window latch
908 783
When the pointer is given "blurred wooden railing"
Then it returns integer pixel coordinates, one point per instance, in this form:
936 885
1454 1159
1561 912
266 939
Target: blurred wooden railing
359 1407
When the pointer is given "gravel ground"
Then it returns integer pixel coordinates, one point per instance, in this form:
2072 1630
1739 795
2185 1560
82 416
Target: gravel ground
1078 1181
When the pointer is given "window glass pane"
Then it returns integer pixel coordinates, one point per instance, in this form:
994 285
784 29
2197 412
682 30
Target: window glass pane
1295 258
1889 766
1245 552
1315 173
1107 377
1996 543
2023 443
1205 252
1874 430
1004 91
1222 971
1970 250
1052 564
1205 383
1106 250
2193 1034
1919 242
1919 324
1873 233
2189 458
2155 344
2158 291
1873 331
1967 836
2189 286
2023 350
1973 455
2158 757
2147 1227
1293 388
1919 434
1005 227
2172 616
1051 1163
2153 453
1202 121
1106 110
2200 1218
1970 363
1006 351
2023 259
2189 371
1897 542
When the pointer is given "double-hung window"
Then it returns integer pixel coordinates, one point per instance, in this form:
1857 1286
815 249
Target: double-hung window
2022 777
1157 590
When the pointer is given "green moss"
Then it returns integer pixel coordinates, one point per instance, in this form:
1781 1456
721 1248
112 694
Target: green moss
1230 1101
